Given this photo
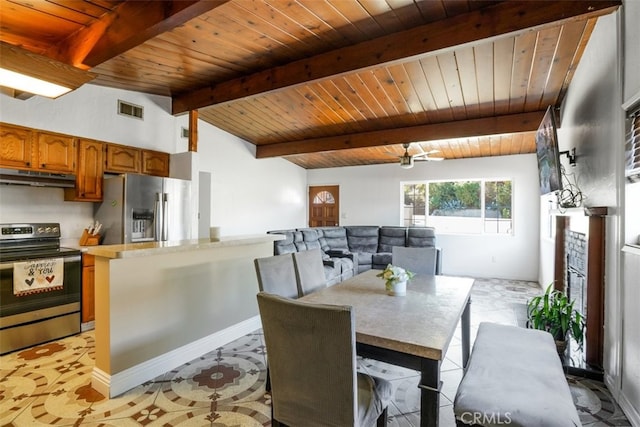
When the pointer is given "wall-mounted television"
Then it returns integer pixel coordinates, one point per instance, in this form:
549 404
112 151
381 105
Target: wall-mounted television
548 154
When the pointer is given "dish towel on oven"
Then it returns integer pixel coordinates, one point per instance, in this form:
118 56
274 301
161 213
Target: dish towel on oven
40 275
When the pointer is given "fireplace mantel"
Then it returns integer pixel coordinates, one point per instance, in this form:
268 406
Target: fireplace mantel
582 211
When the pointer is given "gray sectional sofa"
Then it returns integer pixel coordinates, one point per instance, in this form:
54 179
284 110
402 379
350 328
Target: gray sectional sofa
350 250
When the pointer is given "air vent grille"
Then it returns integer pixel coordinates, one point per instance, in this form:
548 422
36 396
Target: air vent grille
131 110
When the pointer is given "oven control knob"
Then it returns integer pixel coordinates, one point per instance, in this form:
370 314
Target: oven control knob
48 229
54 229
40 230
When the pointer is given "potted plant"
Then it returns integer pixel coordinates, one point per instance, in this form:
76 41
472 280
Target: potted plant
553 312
395 279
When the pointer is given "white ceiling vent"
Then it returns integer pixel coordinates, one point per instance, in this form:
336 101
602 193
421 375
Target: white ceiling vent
131 110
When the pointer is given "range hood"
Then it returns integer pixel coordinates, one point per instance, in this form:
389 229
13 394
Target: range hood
36 179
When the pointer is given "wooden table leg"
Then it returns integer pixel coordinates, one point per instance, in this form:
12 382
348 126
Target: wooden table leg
466 333
430 386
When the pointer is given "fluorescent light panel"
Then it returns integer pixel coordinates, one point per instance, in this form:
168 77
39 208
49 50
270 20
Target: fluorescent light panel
31 84
29 72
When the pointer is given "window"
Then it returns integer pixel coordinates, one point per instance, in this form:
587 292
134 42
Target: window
323 197
459 207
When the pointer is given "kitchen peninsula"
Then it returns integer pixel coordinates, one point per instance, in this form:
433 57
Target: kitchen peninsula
162 304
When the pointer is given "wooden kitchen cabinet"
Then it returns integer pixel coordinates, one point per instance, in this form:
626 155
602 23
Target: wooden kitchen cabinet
122 159
55 153
89 173
88 288
36 150
155 163
24 148
16 147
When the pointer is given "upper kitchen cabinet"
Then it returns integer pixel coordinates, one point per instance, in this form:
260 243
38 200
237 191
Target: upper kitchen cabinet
24 148
155 163
90 172
55 153
122 159
15 150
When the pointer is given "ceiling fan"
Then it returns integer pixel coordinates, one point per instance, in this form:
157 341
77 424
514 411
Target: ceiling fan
407 160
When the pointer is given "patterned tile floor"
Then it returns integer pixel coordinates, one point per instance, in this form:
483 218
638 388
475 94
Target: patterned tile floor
49 384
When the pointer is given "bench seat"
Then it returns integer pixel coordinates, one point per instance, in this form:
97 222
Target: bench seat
514 377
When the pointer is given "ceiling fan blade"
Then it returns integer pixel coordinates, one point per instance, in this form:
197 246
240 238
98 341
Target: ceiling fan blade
428 159
426 153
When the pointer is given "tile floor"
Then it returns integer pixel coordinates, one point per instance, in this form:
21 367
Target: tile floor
49 384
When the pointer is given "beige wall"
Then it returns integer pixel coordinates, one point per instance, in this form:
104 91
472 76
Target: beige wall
152 306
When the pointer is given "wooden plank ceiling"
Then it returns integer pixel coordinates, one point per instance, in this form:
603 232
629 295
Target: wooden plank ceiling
327 83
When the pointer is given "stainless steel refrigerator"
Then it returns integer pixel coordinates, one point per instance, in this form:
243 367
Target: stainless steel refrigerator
142 208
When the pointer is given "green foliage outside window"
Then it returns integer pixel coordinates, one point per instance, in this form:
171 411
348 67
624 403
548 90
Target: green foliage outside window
497 198
454 196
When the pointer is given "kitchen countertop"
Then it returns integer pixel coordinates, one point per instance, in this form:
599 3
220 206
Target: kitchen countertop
132 250
73 244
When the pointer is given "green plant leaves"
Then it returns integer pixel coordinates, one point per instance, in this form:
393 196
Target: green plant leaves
554 313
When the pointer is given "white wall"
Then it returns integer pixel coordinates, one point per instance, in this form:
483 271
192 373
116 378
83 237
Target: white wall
91 112
370 195
592 122
631 12
629 315
248 195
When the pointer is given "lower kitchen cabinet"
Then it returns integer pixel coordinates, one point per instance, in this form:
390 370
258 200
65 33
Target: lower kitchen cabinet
88 288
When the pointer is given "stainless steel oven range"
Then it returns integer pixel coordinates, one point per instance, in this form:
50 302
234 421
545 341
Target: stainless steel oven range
40 285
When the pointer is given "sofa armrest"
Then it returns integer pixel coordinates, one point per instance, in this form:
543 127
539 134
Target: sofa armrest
328 263
344 253
339 253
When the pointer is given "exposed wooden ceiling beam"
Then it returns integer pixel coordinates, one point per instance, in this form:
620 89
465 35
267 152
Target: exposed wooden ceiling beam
512 123
130 24
504 19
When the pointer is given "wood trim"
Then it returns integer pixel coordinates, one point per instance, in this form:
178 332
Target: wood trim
505 18
595 292
130 24
193 130
512 123
560 268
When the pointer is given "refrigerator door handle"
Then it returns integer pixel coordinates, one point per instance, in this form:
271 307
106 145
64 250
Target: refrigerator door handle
158 218
165 216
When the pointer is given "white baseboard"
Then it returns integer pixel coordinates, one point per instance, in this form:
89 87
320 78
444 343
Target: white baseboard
629 410
114 385
612 386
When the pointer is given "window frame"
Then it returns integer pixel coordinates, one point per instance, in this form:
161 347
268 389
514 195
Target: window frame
481 232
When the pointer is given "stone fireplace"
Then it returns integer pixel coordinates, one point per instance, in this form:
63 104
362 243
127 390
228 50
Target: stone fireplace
579 272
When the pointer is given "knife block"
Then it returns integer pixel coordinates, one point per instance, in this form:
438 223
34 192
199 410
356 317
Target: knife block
89 239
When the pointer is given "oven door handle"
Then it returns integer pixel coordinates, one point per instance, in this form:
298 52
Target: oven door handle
9 265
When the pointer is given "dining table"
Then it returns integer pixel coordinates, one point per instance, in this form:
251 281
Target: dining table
412 331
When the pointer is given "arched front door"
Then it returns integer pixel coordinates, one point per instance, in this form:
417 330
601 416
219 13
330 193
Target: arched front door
324 207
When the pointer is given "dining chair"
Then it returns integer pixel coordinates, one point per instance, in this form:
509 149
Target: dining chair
277 275
416 260
312 354
309 271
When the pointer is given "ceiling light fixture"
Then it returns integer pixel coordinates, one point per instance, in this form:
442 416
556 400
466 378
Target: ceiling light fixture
28 72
